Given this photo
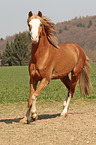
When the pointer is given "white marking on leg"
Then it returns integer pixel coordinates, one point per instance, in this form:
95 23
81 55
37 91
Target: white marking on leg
33 110
34 114
67 105
65 102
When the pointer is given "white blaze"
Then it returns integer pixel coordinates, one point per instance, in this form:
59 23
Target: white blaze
35 23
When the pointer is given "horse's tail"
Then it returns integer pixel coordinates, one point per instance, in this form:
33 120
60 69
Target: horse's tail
84 80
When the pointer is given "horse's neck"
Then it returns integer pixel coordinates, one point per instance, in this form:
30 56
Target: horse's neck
39 49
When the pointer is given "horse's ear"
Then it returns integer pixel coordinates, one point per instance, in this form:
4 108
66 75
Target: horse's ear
30 14
40 14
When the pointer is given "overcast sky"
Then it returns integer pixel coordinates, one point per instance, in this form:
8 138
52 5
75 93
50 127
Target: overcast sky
13 13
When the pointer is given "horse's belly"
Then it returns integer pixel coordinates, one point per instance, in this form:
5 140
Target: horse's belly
58 75
62 69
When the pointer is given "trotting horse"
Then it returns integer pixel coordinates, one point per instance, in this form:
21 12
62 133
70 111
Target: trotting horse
52 61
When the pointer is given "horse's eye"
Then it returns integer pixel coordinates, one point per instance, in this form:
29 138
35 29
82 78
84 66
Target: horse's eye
29 25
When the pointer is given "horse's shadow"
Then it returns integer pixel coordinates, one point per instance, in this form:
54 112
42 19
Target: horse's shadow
10 121
40 117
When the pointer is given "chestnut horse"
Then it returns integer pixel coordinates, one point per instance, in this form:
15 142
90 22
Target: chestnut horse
52 61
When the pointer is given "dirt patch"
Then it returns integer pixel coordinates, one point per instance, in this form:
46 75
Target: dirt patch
79 127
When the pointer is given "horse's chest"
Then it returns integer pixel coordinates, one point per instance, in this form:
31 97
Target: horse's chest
41 65
42 60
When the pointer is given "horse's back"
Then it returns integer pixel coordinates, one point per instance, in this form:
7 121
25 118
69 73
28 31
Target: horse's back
67 52
72 49
70 46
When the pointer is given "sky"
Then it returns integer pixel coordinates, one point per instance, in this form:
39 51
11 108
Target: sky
14 13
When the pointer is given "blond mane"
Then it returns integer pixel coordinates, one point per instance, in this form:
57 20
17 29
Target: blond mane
50 29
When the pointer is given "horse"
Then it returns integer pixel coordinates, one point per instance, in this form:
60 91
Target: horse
50 60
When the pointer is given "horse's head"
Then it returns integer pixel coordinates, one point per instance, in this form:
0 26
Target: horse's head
40 25
35 26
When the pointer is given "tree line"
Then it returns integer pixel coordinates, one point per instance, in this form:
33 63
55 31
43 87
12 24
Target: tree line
18 52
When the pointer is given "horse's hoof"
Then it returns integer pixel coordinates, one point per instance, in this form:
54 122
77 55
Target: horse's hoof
24 120
64 115
34 117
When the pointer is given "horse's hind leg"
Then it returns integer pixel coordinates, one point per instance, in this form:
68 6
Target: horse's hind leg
74 79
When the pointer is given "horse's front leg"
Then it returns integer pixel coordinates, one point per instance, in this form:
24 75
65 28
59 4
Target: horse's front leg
42 85
33 85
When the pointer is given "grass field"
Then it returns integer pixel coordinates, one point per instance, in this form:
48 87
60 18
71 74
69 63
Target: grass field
14 86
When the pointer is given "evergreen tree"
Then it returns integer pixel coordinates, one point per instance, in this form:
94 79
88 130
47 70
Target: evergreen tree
21 51
90 24
7 55
66 28
80 25
1 39
18 53
60 31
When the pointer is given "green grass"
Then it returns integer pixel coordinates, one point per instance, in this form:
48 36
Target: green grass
14 86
